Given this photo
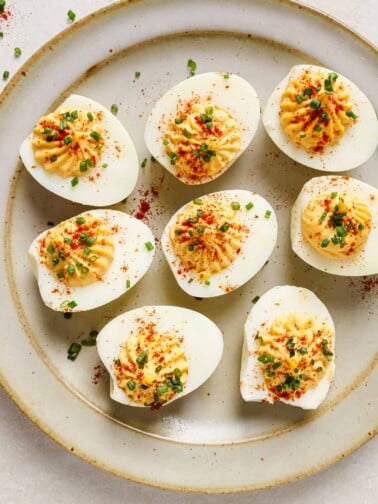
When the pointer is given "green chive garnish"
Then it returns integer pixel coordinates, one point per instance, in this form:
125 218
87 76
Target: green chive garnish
322 217
249 205
80 220
255 299
192 65
325 243
315 104
186 133
74 181
71 15
67 140
5 75
162 389
130 385
144 163
268 213
149 246
235 205
95 135
197 201
114 109
17 52
351 114
53 158
179 120
137 75
90 116
128 284
73 351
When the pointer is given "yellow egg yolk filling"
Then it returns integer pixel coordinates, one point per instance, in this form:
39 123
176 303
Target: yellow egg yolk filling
201 141
315 110
69 143
152 368
294 354
206 237
78 251
336 225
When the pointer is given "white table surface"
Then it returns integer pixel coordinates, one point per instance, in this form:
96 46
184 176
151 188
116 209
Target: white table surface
33 469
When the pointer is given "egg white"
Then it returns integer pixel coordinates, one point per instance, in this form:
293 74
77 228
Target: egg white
131 261
256 249
99 186
353 149
202 343
364 263
278 302
233 94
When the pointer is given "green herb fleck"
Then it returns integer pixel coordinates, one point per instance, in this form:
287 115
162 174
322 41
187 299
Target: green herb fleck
71 15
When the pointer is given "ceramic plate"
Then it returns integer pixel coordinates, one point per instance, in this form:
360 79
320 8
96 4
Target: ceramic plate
210 441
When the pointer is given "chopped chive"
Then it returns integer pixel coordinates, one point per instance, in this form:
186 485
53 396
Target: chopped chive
351 114
255 299
249 205
72 304
74 181
207 282
149 246
226 76
93 333
104 165
303 351
197 201
2 5
137 75
53 158
73 351
87 251
71 269
265 358
165 142
67 140
322 217
114 109
333 195
299 98
50 249
190 247
1 34
192 65
83 166
325 117
142 359
179 120
95 135
186 133
88 342
318 128
5 75
144 163
93 258
361 227
224 227
17 52
71 15
162 389
130 385
200 229
235 205
325 243
307 92
268 213
315 104
302 135
128 284
80 220
90 116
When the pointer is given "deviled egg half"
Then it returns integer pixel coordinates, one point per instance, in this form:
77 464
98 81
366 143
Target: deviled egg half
82 153
216 243
288 349
334 226
201 126
321 119
157 354
89 260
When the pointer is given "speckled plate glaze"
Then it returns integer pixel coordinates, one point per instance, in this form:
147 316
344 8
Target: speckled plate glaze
210 441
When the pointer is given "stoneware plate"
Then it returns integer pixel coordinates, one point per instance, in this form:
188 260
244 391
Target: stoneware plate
210 441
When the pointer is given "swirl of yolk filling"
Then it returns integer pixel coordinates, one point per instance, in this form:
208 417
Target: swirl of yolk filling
68 143
294 354
201 141
78 251
152 368
315 110
206 237
336 225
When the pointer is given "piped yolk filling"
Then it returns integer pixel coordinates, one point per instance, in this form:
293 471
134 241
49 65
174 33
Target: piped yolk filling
152 368
201 141
78 251
206 237
336 225
69 143
315 110
294 354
